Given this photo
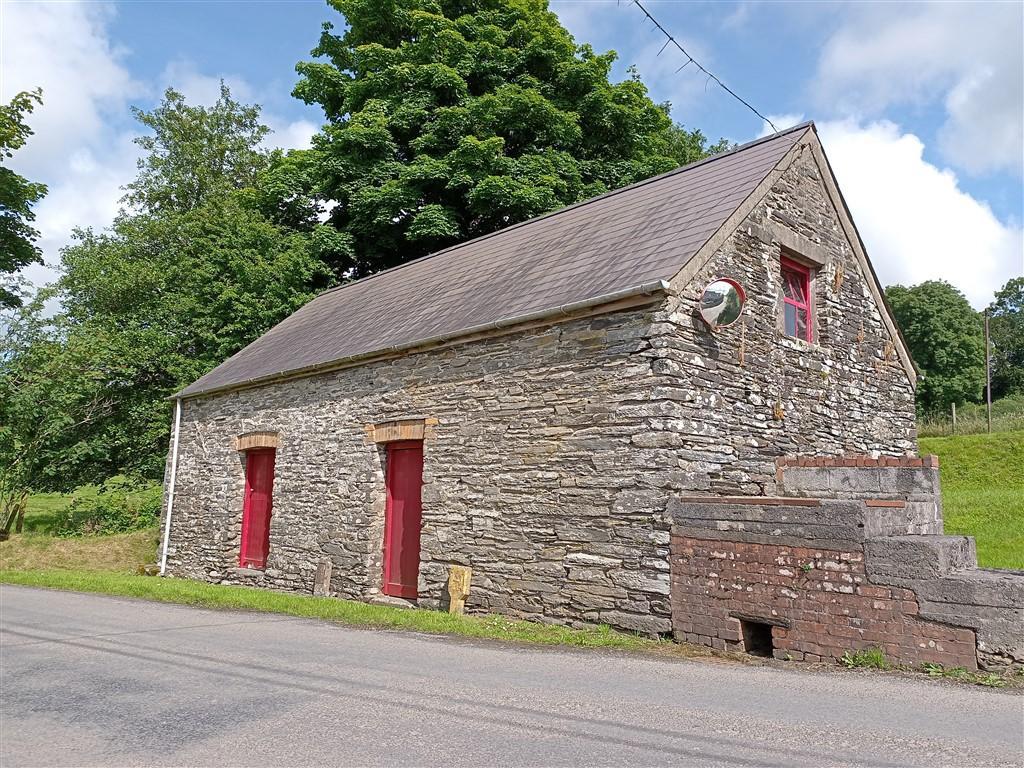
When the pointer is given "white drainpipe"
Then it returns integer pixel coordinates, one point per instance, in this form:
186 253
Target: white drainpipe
170 491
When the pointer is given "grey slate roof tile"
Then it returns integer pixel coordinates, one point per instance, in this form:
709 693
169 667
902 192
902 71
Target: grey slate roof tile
627 237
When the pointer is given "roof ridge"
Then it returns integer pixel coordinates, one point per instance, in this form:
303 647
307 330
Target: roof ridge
675 171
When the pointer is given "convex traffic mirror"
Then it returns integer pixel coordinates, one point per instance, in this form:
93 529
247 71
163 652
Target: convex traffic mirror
721 303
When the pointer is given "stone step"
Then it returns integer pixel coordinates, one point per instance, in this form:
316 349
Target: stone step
394 602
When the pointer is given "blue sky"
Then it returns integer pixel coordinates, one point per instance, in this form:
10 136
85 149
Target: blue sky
920 106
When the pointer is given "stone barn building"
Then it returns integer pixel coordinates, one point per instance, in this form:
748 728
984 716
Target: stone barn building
548 405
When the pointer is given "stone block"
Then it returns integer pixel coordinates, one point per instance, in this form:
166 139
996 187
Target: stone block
597 561
999 589
322 580
807 481
642 582
854 482
652 625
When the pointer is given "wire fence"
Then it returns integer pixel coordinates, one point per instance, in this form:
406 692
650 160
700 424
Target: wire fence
971 419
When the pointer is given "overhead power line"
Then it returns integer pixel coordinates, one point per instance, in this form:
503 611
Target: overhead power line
690 60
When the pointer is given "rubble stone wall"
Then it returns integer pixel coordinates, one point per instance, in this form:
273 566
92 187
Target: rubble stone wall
760 394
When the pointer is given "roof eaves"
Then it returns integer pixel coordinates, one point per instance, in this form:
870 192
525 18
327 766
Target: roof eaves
649 288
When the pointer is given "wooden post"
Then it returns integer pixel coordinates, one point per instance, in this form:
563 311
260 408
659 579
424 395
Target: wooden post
988 376
458 588
954 418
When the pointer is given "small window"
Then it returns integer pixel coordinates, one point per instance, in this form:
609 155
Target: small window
796 300
256 510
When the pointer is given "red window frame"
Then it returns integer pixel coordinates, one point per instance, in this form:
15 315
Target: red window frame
257 508
803 274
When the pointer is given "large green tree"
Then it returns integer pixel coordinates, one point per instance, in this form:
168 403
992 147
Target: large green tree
51 394
17 196
449 119
189 273
946 340
1006 328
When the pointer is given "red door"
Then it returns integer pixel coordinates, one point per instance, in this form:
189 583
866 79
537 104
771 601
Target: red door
259 488
402 518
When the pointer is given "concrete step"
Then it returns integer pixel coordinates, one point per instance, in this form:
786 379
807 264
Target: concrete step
919 556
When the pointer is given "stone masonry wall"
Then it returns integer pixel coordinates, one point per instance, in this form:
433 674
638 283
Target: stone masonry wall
555 450
543 473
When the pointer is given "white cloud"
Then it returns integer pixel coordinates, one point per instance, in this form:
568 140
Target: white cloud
87 195
916 221
740 15
199 88
968 55
297 134
64 49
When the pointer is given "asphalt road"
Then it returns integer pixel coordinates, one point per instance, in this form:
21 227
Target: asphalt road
88 680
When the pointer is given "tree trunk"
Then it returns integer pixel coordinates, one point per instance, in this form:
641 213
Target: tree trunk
19 510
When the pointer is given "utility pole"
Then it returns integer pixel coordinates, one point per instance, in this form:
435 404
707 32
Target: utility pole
988 376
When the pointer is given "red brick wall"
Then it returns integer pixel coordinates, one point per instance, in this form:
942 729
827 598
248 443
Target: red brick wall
822 596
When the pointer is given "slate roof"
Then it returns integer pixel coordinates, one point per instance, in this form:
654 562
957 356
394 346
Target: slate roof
625 238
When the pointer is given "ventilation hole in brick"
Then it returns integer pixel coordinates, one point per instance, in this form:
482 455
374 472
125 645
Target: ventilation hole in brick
757 638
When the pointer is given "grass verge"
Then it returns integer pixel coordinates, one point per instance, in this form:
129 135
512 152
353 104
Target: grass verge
983 493
348 612
987 679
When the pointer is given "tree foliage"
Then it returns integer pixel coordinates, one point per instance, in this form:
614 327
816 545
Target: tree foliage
191 273
1006 329
195 154
17 196
449 119
946 340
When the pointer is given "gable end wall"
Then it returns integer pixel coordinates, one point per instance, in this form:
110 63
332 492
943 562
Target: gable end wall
751 393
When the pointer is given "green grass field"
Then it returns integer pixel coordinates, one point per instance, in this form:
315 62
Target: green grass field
983 492
37 550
